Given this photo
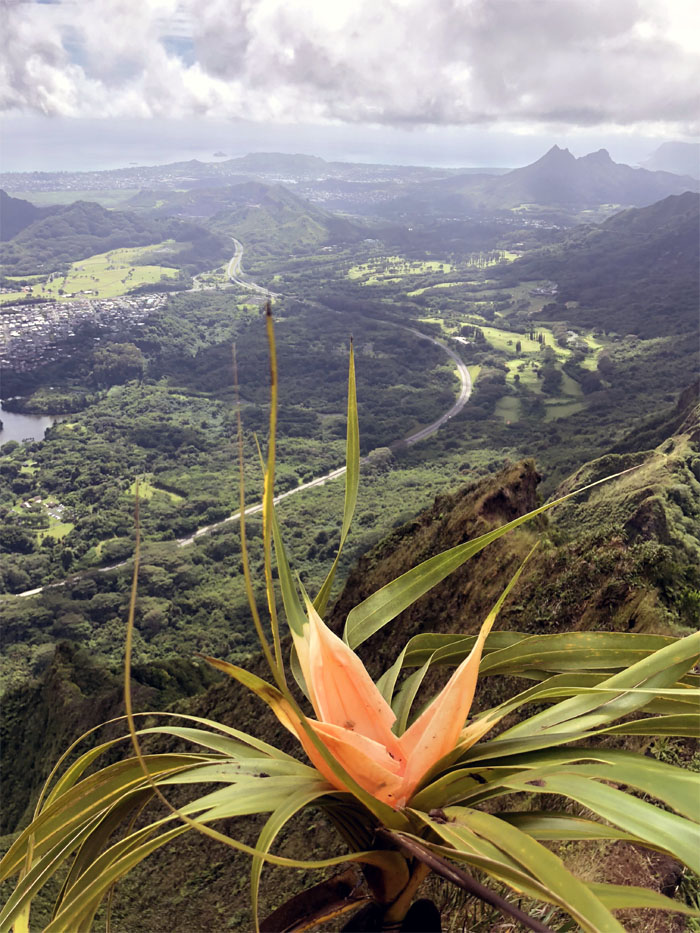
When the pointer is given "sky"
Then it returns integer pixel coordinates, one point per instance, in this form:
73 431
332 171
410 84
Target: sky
104 83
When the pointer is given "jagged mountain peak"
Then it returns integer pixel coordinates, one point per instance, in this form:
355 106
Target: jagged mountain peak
556 154
601 157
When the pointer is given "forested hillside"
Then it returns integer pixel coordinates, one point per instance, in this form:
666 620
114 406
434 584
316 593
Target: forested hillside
636 273
16 214
84 228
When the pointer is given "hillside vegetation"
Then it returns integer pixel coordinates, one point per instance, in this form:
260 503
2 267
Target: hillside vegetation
66 234
636 273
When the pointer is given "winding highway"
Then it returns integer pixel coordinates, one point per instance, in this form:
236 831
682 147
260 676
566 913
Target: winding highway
233 272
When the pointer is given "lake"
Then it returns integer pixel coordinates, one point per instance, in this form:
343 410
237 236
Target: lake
18 427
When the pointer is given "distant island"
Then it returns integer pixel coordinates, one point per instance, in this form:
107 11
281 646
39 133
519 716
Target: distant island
220 155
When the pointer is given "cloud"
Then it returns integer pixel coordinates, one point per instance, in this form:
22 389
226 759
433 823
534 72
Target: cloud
394 62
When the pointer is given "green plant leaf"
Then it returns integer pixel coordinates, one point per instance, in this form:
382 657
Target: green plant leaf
386 603
277 821
225 745
463 827
40 871
676 835
657 671
293 607
403 701
91 797
622 896
352 482
677 787
555 826
683 724
574 651
225 771
83 899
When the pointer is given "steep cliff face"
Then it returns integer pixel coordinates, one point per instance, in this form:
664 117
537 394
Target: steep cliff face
40 720
623 556
461 602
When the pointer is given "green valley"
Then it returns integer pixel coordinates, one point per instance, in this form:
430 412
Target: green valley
580 343
105 275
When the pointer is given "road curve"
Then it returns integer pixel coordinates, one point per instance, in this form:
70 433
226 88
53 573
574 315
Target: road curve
421 435
461 400
415 438
233 273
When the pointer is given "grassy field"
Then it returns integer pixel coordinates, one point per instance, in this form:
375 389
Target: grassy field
570 387
393 269
505 341
524 368
147 490
57 529
558 408
508 408
105 275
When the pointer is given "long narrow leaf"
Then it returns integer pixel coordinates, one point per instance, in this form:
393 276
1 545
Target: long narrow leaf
89 798
683 724
277 821
657 671
386 603
268 497
574 651
561 827
461 825
676 787
622 897
293 607
678 836
39 873
352 482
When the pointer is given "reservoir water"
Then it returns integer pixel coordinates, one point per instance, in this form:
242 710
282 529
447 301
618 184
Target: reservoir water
19 427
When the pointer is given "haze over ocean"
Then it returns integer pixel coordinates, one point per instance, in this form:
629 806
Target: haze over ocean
31 143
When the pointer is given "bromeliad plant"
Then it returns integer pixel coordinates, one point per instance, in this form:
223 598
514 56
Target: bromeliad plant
404 792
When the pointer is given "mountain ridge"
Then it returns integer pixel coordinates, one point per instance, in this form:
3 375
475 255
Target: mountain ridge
18 213
559 179
84 228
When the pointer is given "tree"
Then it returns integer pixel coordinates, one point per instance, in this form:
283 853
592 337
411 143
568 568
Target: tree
115 363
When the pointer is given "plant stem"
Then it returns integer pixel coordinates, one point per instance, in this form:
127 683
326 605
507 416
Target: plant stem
398 910
460 878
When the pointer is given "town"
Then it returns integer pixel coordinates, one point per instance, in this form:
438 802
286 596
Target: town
32 335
